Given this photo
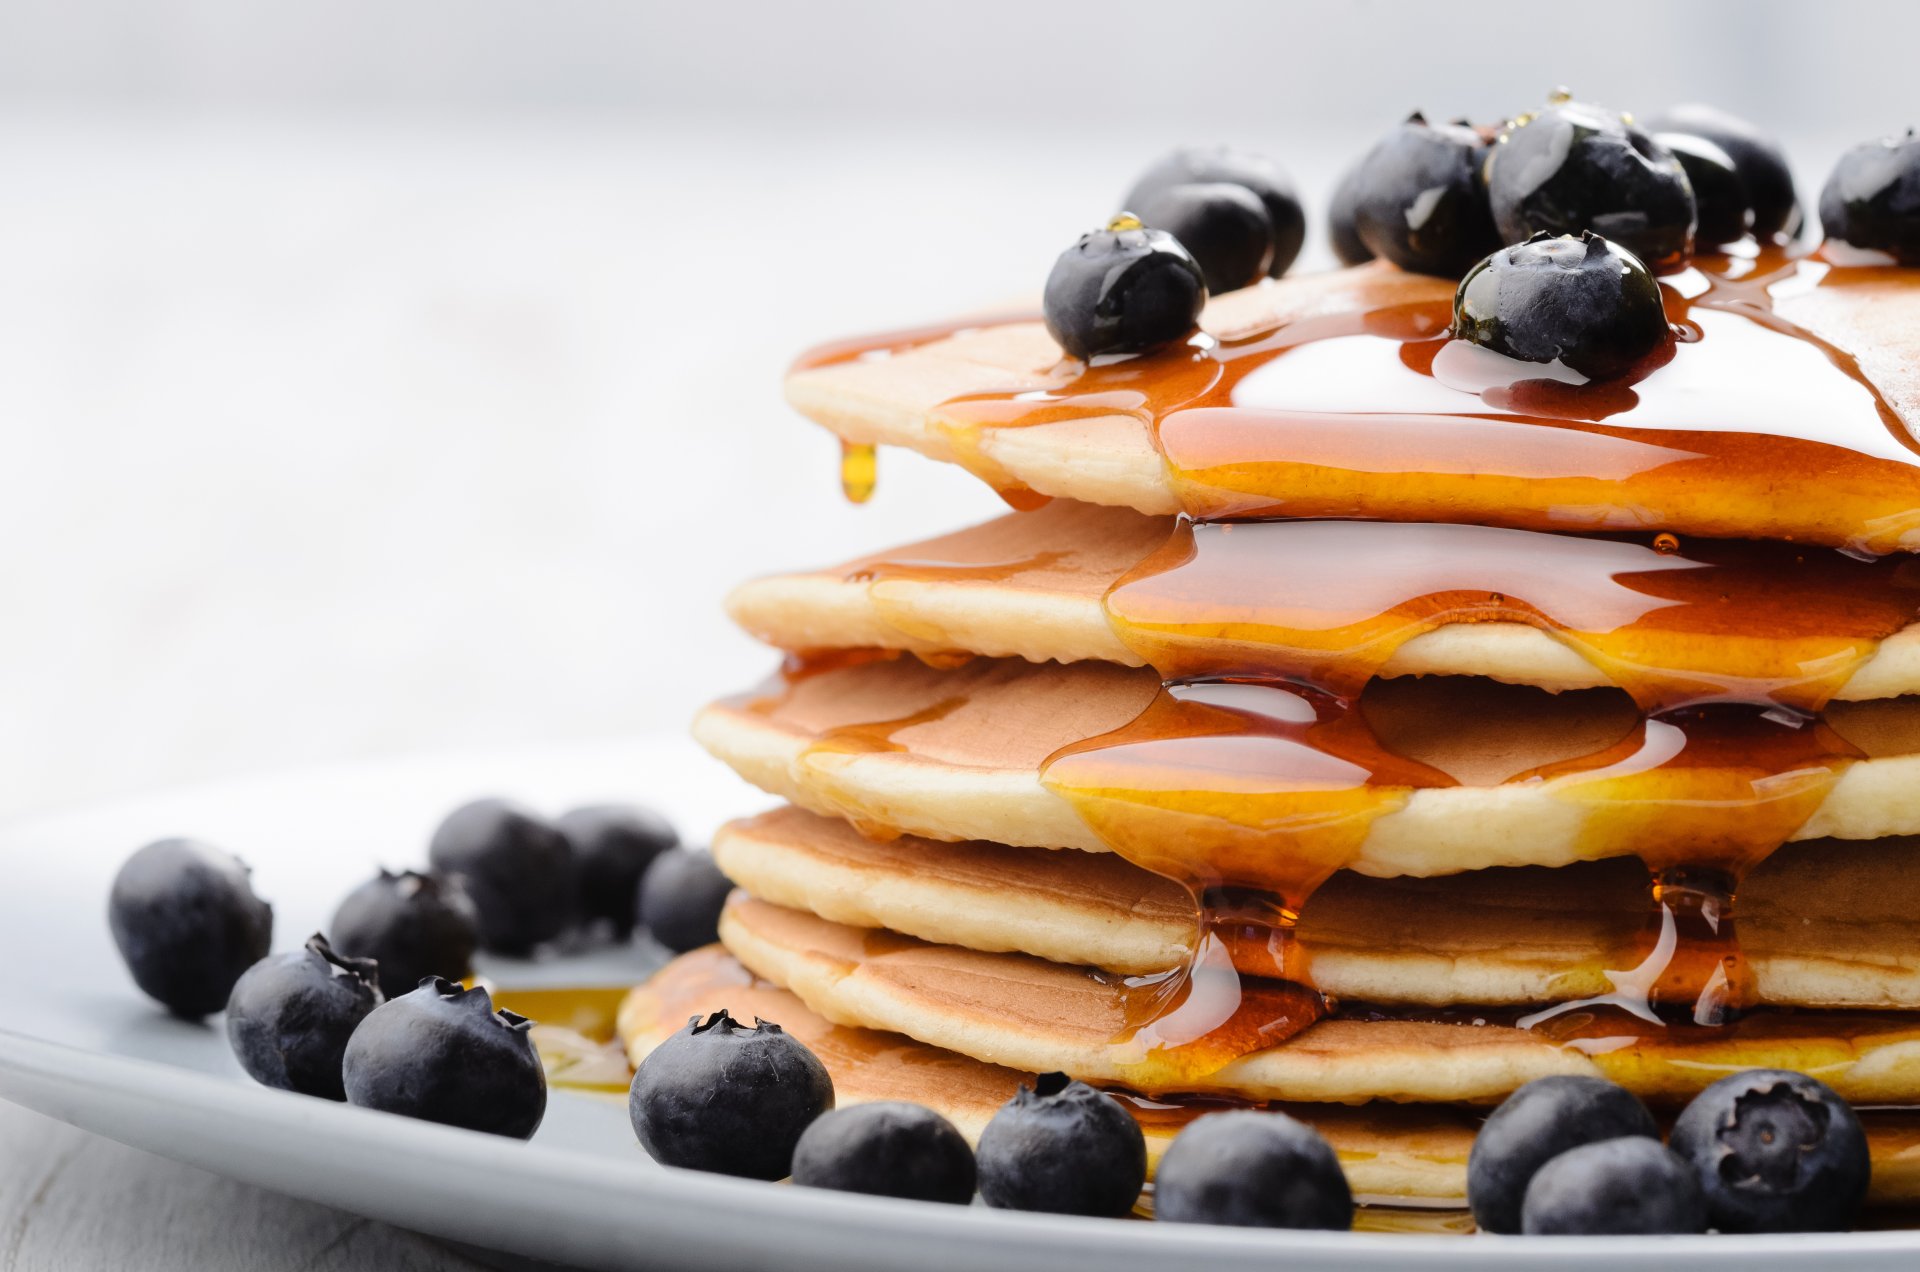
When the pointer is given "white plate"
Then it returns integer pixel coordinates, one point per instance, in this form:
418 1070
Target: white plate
81 1044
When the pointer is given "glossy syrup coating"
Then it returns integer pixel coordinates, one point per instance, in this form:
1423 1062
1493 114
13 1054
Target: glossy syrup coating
1758 158
1722 204
1224 227
1123 289
290 1017
1872 201
1419 202
1573 166
1583 303
186 921
1247 168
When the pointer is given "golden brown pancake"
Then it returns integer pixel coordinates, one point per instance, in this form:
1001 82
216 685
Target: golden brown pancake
1405 1152
964 761
1030 585
1832 924
1030 1014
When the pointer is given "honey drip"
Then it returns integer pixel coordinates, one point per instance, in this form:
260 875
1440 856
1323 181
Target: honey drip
859 467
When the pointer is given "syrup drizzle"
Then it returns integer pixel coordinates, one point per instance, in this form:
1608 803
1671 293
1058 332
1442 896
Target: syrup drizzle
1253 776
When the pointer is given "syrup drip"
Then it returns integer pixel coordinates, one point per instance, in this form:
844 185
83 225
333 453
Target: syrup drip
859 469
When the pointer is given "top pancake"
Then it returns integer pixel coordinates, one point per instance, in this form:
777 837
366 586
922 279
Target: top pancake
1479 466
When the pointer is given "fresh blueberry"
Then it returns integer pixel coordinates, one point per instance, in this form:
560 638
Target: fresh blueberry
1224 227
721 1097
681 896
1723 208
1419 202
1252 1170
413 925
1256 172
888 1149
1573 167
1124 289
517 869
187 923
1632 1185
1062 1147
1342 213
1774 1151
290 1017
1535 1124
612 847
1760 161
1584 303
1872 200
443 1054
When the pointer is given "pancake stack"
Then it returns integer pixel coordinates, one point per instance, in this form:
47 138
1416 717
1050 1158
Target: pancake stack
1319 731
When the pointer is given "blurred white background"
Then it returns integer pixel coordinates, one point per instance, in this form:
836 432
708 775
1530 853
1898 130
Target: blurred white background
387 376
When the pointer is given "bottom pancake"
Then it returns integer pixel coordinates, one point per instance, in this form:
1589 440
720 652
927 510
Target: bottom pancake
1033 1015
1397 1152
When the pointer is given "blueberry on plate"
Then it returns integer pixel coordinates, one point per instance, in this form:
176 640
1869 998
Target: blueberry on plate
1286 217
1535 1124
1123 289
1774 1151
889 1149
1062 1147
1224 227
1342 227
1616 1187
1723 209
1759 160
291 1014
443 1054
1255 1170
1573 166
1583 303
187 923
517 869
1872 200
719 1096
412 925
612 846
681 896
1419 202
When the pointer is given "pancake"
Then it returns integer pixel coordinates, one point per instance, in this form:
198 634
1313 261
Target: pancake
1031 585
959 751
1030 1014
1391 1152
1832 924
1568 474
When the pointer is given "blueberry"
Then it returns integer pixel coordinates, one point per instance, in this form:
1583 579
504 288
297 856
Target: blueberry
1254 1170
1723 208
612 846
1124 289
1574 167
187 923
681 896
1062 1147
1535 1124
1419 202
413 925
1872 200
1582 302
517 869
290 1017
443 1054
1614 1187
888 1149
1774 1152
1342 229
1761 163
1224 227
718 1096
1255 172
